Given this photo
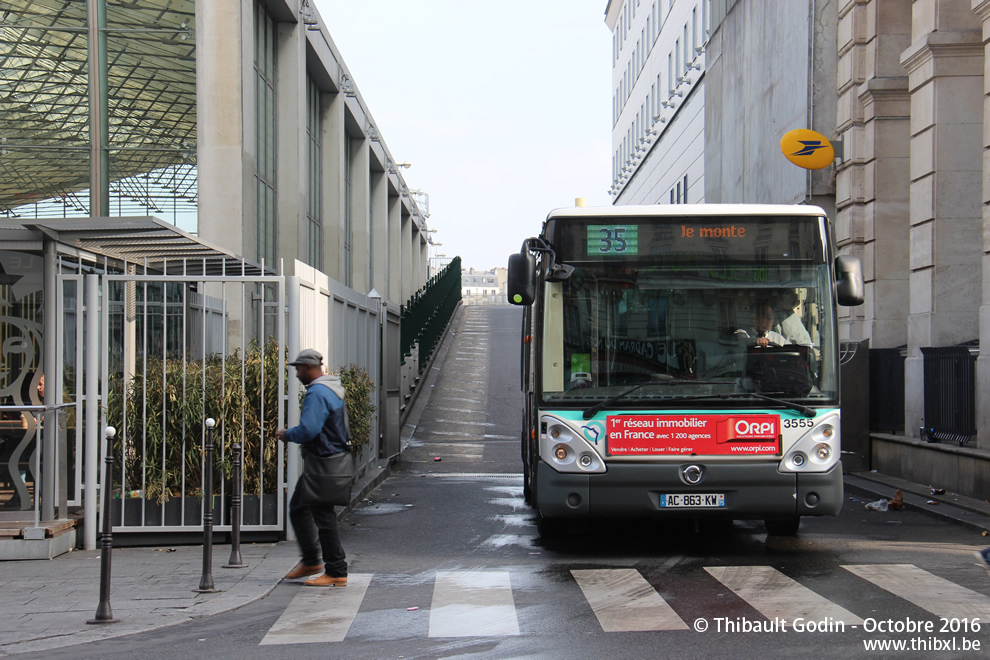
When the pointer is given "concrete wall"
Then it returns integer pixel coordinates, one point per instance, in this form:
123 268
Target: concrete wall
757 84
957 469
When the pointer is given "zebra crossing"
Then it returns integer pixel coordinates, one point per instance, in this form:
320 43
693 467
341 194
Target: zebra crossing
480 603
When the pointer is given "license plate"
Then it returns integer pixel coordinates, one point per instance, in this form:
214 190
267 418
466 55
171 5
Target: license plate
692 501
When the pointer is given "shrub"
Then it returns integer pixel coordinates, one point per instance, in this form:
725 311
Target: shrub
163 453
359 391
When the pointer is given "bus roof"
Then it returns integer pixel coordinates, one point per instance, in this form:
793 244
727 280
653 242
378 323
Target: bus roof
681 210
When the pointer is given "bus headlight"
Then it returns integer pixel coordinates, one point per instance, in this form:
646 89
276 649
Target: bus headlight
567 450
815 451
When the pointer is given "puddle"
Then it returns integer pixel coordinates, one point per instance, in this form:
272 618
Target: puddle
380 509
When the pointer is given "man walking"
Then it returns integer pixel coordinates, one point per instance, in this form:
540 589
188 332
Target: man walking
322 430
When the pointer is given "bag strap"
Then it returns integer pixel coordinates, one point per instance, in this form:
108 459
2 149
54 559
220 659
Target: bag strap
347 423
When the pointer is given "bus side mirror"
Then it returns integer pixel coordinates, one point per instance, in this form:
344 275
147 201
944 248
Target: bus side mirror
521 281
849 280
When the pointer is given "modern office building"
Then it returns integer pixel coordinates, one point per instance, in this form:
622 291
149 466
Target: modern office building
705 89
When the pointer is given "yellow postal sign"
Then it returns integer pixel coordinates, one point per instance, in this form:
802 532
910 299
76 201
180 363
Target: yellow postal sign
808 149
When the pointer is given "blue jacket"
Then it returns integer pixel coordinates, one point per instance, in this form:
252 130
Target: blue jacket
322 425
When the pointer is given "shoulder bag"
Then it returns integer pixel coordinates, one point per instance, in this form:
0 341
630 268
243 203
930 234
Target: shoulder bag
326 481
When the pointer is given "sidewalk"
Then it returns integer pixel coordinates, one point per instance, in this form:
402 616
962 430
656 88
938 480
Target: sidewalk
46 603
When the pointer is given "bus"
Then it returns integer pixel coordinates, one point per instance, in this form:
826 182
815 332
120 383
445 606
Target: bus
681 361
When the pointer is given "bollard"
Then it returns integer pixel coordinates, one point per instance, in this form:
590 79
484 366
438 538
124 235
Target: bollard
206 582
104 614
235 513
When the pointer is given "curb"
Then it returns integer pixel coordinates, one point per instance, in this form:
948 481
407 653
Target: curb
959 509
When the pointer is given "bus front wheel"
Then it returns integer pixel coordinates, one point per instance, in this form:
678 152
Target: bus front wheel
783 526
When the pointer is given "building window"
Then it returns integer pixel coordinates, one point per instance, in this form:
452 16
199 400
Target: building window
694 31
314 194
704 20
685 190
687 50
265 135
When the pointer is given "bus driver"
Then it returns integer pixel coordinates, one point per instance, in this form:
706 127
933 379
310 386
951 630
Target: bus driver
761 330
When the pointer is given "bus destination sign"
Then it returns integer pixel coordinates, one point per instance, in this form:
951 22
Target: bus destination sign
687 435
618 240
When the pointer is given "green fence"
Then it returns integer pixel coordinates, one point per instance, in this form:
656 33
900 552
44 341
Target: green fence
428 311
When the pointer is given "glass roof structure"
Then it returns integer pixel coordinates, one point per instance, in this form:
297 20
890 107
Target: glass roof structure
150 101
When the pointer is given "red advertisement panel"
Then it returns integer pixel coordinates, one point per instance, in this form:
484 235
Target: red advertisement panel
686 435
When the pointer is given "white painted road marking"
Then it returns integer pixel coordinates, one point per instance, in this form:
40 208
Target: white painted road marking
624 601
929 592
776 595
318 615
473 604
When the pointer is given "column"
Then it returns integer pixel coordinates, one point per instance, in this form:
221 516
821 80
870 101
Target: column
945 80
378 241
334 153
872 190
293 143
394 293
982 9
223 73
360 213
408 286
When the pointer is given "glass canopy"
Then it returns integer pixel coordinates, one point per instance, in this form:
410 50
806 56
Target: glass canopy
150 100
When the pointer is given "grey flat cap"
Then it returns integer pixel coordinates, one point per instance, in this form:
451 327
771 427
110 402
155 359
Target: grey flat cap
308 356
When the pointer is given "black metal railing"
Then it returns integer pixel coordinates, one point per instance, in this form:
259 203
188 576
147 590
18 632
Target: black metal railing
950 394
426 314
887 390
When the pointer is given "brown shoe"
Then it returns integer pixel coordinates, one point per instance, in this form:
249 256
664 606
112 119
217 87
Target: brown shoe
302 570
327 581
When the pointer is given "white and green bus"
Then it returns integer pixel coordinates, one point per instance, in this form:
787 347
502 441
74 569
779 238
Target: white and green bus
681 361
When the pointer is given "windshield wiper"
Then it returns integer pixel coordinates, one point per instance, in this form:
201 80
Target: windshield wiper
804 410
655 379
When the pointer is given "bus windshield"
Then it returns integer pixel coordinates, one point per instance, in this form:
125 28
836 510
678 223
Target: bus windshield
688 313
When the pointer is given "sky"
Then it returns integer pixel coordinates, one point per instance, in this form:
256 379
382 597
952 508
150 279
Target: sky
503 109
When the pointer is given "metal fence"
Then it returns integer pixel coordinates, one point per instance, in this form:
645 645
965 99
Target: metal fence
425 316
178 349
950 394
